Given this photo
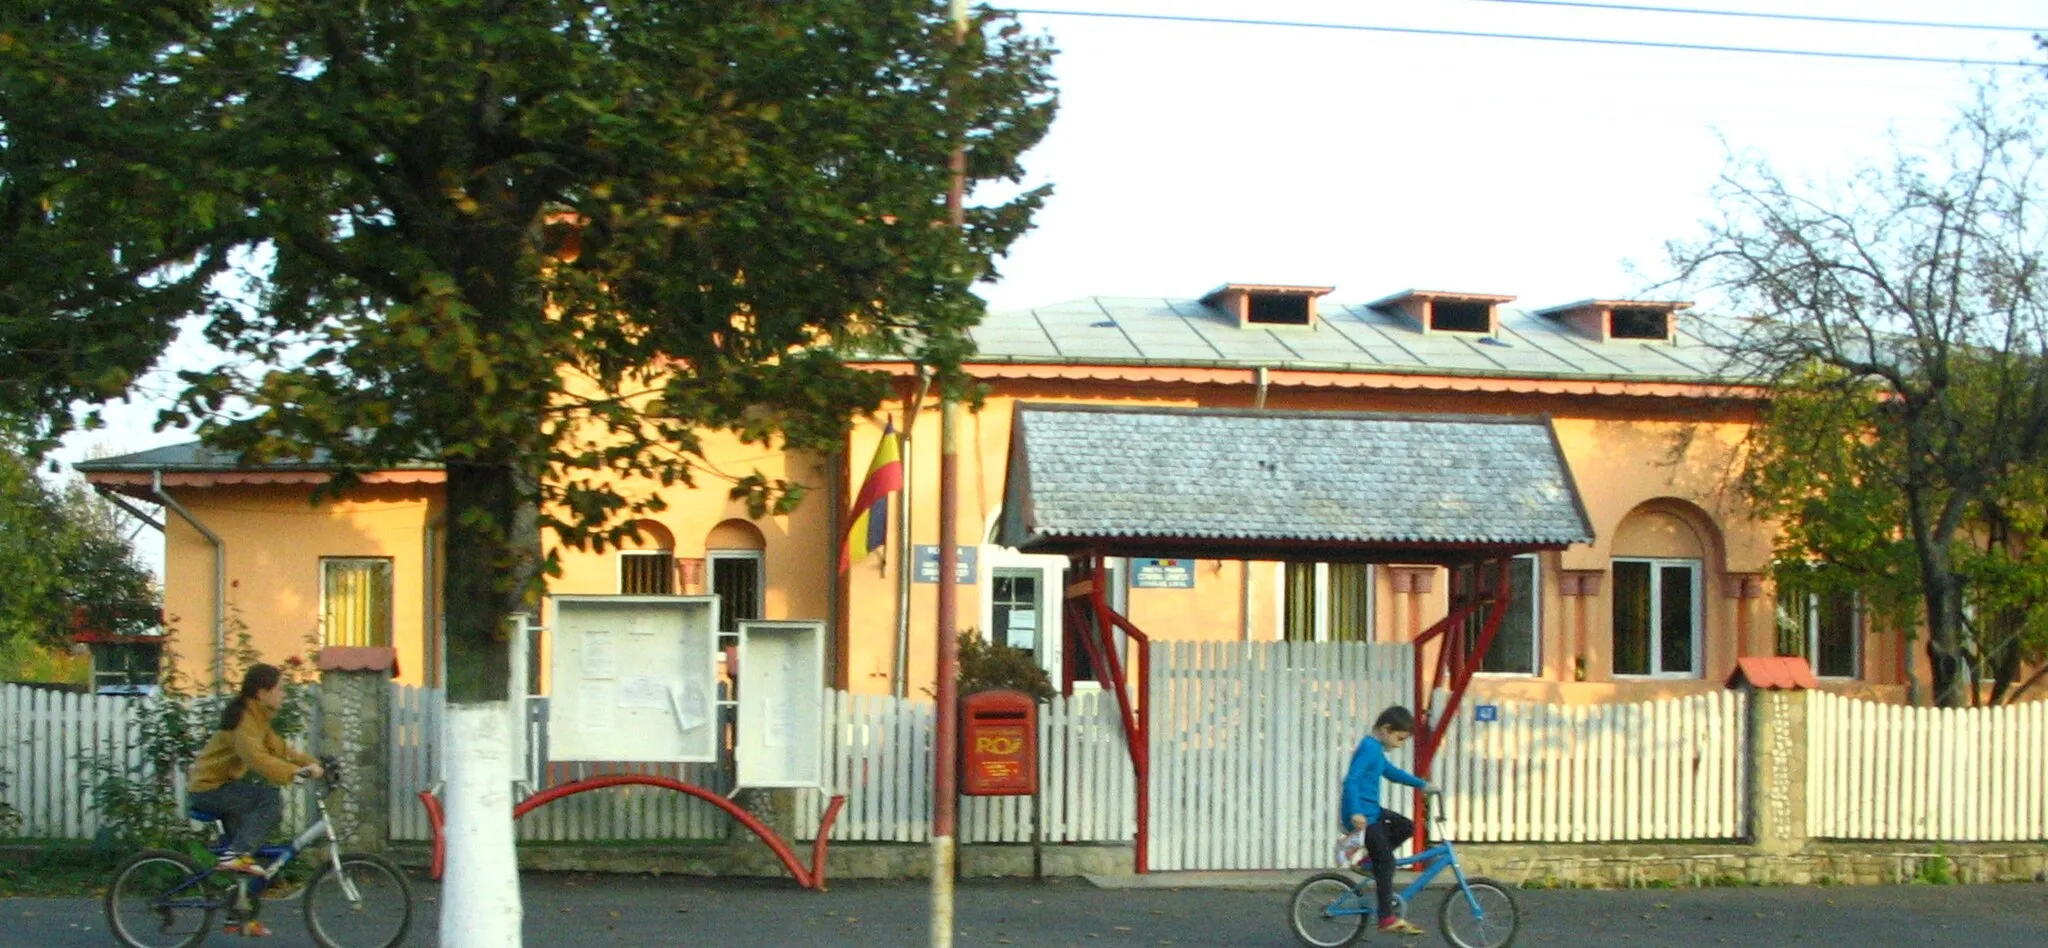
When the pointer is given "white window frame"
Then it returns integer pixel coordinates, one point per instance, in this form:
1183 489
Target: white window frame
1533 597
760 561
391 617
1321 585
675 582
1052 603
1657 566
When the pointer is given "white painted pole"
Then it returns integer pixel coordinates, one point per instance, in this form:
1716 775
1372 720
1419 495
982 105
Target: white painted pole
480 905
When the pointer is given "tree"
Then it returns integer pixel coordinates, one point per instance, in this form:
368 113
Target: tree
97 226
548 243
68 562
1903 323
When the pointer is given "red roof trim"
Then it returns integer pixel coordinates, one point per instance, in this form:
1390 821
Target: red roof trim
359 658
1784 672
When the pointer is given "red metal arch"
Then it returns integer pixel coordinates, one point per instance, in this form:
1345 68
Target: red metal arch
812 878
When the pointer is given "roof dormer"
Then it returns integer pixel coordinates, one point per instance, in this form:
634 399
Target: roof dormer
1608 320
1266 304
1438 311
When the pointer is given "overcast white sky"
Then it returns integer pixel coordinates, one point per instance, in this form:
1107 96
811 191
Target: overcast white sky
1186 155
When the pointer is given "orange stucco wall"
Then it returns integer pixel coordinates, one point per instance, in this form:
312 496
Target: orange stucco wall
1654 474
275 538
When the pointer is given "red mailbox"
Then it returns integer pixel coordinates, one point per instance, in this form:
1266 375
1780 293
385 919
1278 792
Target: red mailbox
998 744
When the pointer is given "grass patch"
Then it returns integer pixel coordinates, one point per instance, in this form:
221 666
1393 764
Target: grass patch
59 869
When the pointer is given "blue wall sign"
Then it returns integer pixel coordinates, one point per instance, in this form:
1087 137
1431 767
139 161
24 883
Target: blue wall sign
1151 573
1486 712
928 564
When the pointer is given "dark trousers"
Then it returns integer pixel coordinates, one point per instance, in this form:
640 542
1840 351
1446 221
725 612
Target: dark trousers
1385 835
251 811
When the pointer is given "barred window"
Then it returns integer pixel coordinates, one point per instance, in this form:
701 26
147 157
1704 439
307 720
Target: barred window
647 572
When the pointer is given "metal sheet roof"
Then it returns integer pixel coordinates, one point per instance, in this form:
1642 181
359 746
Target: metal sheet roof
1250 481
1346 337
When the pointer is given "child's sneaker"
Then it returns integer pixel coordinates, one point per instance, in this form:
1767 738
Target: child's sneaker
249 929
238 862
1400 926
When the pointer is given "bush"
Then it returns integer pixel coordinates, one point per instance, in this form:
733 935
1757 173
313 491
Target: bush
142 807
985 665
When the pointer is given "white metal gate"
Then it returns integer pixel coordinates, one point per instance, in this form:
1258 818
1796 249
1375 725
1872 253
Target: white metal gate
1249 743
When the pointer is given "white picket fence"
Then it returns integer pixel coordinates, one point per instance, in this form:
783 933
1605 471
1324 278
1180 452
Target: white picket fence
1250 742
1673 769
1880 771
47 739
877 753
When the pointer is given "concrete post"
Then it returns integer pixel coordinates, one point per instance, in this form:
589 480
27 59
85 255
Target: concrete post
354 702
1777 771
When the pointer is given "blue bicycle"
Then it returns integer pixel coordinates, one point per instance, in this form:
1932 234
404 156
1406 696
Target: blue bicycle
165 899
1333 908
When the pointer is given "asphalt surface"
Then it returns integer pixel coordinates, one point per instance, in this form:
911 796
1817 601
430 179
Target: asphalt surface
593 911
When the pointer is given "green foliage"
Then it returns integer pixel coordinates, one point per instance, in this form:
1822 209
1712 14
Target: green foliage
140 806
548 245
1903 334
1938 869
103 246
984 665
24 659
68 563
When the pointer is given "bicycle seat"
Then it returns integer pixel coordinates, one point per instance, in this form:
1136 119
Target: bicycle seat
202 816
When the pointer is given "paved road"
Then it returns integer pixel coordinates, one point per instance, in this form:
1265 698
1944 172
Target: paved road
598 911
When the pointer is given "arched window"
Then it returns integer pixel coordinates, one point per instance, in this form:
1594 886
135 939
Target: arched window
1658 594
647 566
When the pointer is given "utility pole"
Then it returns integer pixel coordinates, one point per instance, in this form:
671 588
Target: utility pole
945 754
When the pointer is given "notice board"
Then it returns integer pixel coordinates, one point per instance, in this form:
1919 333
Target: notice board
634 679
780 735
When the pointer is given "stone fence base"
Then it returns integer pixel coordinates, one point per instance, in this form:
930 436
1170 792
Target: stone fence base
1590 865
1705 864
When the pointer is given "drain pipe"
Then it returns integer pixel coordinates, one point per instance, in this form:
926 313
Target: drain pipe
220 577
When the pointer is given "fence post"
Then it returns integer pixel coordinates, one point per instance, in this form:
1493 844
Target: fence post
1776 688
354 702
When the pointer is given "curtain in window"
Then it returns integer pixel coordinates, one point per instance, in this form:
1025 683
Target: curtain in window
647 574
1676 611
1350 599
357 602
1300 607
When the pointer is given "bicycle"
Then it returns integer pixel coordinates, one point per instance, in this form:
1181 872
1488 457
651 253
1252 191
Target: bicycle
165 899
1330 910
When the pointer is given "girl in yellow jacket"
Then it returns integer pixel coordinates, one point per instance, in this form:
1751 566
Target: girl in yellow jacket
240 769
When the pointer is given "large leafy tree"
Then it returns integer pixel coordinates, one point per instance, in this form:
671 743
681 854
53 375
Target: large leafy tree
547 243
68 562
1903 321
104 246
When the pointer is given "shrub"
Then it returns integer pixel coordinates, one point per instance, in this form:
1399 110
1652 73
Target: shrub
985 665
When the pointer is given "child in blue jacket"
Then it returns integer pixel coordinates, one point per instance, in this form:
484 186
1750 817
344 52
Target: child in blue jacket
1385 830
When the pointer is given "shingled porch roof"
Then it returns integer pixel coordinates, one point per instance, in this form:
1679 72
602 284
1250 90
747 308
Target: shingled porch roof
1286 485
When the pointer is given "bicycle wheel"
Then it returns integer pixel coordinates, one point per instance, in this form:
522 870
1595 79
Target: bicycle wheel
368 904
1493 925
159 900
1327 911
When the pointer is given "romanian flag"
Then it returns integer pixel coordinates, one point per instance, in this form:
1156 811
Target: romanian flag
870 526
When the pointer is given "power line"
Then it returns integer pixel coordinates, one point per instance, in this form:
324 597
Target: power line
1582 40
1800 17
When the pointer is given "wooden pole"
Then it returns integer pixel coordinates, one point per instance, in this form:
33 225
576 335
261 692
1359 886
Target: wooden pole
946 752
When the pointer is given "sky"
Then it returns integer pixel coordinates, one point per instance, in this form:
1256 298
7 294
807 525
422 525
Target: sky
1187 155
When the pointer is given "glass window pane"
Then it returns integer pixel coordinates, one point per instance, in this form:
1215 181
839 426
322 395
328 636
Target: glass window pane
356 602
1350 598
1631 618
1514 645
1014 610
1834 638
1675 612
1300 610
736 581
